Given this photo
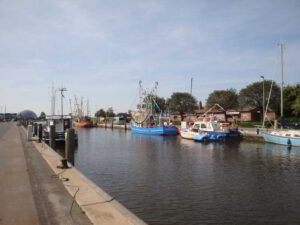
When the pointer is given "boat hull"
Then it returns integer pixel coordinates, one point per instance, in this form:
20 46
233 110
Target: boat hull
187 134
84 124
162 130
281 140
210 136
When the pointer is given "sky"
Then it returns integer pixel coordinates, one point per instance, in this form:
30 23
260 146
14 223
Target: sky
99 50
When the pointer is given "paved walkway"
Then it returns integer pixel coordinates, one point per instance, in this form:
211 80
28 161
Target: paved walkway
30 194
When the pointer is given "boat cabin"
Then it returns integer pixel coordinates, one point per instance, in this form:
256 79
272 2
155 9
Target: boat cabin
61 123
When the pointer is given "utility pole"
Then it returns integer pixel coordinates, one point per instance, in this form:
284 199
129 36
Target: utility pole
62 89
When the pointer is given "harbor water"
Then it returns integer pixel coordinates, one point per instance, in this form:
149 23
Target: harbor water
169 180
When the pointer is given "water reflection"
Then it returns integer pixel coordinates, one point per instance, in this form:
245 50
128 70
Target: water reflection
169 180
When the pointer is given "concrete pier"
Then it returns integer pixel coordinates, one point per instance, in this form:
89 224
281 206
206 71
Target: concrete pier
31 194
35 191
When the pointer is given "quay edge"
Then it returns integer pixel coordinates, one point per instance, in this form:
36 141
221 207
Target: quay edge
99 206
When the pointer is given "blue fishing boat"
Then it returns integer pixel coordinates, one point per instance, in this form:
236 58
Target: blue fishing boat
148 118
282 137
161 130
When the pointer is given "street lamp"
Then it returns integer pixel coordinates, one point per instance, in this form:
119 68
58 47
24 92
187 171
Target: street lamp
263 97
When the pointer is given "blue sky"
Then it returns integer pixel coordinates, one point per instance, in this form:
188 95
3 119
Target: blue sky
101 49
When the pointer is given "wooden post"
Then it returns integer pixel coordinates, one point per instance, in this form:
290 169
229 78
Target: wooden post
105 125
125 125
70 145
112 124
40 132
52 137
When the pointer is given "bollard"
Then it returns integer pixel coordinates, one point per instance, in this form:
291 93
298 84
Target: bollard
35 129
112 124
29 132
52 137
105 125
125 126
70 145
40 132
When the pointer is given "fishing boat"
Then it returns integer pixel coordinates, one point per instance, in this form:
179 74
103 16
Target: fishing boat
84 122
61 123
205 130
277 136
148 118
82 117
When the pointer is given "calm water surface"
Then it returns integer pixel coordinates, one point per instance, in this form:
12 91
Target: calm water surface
169 180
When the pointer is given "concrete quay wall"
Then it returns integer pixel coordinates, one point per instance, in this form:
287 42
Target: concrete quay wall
99 206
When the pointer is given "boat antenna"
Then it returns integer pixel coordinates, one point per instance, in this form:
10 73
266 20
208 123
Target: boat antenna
62 89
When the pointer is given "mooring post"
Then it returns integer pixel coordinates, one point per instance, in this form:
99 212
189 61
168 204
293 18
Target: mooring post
275 124
52 136
105 125
40 132
35 127
70 145
29 132
112 124
125 125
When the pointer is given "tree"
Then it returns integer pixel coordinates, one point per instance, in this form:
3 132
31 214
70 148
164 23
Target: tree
252 95
290 94
100 113
228 99
159 105
296 106
182 102
110 112
42 116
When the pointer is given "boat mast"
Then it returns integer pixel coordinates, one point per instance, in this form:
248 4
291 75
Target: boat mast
53 95
281 102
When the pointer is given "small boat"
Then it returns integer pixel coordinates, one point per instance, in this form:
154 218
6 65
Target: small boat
207 128
283 137
148 119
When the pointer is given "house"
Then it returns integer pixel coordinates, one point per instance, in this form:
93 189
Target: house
250 113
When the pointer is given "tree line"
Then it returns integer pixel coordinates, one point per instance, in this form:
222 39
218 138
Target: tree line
251 95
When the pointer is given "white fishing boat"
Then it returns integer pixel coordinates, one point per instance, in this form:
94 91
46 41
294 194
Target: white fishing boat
209 128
